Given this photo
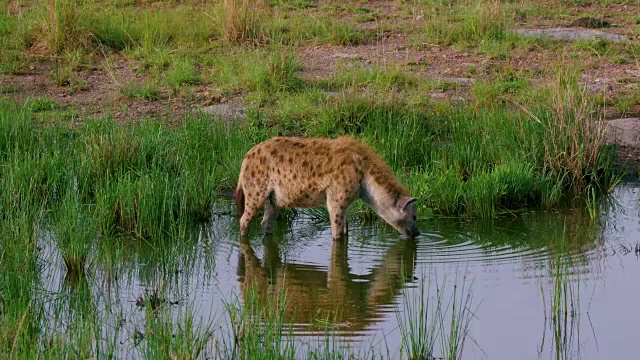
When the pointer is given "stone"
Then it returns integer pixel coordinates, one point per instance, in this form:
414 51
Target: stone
632 72
438 96
444 96
599 87
458 80
226 110
571 34
623 132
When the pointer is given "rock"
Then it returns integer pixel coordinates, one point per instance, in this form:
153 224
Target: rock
599 87
444 96
571 34
592 23
226 110
623 132
438 96
632 72
459 80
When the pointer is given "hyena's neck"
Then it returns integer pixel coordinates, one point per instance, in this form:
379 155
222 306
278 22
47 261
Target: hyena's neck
379 196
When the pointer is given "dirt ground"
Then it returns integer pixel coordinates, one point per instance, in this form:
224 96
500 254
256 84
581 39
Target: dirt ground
391 48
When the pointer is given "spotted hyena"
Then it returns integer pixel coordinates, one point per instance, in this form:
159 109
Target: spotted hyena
302 173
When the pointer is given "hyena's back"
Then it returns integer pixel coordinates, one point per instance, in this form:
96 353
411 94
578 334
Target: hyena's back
299 172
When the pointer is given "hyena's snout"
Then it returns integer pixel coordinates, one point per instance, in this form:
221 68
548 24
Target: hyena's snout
413 232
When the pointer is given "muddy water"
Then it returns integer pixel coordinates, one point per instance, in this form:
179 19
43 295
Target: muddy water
354 290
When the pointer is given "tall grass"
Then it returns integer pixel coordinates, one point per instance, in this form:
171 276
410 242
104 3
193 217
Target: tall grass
257 327
61 28
146 180
168 338
243 21
486 20
279 72
18 275
563 313
75 231
429 322
576 130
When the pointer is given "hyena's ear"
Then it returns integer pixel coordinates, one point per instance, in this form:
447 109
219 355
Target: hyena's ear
405 201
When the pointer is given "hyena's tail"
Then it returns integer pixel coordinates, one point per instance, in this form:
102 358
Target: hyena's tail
240 199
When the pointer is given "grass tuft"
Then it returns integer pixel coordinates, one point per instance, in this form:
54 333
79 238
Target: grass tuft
60 28
75 232
145 90
429 321
243 21
486 21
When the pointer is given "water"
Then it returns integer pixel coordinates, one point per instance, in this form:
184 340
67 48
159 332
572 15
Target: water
354 290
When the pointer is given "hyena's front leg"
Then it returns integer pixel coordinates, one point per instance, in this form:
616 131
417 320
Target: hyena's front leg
338 216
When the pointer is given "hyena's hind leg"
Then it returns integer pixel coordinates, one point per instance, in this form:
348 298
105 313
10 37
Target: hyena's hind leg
245 220
252 203
271 212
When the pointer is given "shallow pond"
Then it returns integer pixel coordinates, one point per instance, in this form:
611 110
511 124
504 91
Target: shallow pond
355 290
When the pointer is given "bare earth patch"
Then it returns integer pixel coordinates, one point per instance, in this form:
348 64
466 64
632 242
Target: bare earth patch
99 93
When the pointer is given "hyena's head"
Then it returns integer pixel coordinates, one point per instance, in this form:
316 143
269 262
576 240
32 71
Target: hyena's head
403 216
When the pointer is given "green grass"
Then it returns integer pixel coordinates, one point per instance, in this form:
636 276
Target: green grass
75 231
563 312
382 79
476 160
482 21
140 180
145 90
345 34
132 191
243 21
41 104
272 70
432 326
182 72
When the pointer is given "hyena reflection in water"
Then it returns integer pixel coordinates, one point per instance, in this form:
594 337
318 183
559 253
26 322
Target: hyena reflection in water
352 301
298 172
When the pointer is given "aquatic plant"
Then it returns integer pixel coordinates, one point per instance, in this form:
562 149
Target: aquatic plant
429 322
